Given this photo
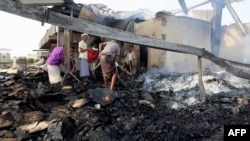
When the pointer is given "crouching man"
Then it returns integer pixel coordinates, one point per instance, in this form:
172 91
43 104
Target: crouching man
109 53
55 59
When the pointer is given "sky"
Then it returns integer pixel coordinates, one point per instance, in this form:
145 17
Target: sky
22 35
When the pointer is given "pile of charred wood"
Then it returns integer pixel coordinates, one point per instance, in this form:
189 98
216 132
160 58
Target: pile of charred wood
33 110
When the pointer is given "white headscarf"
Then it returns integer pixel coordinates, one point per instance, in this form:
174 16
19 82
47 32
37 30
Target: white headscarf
85 34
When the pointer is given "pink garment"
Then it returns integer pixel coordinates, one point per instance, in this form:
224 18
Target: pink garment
56 57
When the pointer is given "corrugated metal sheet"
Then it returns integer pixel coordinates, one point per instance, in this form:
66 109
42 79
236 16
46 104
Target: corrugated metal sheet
231 1
201 14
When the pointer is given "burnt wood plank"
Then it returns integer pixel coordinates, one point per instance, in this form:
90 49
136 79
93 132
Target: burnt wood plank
238 69
75 24
42 2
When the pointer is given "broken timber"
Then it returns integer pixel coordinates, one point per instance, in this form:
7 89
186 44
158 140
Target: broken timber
41 2
67 22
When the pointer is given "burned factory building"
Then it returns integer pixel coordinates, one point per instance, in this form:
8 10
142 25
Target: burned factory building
190 76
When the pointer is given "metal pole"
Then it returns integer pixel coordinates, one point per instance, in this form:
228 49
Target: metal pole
192 7
235 17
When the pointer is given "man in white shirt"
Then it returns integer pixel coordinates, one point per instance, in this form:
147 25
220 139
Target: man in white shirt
83 55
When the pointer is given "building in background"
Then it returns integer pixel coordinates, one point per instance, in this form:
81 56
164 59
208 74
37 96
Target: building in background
33 56
5 55
41 54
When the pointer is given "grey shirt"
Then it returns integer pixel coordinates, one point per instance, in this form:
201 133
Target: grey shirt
111 48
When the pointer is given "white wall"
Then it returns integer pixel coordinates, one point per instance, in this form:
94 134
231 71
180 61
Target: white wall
181 30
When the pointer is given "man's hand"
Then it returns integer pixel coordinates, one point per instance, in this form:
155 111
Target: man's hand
116 64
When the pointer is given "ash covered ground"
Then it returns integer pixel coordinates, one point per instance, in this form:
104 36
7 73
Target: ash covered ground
156 106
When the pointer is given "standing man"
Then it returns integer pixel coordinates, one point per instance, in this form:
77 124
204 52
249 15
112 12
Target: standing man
55 58
83 55
130 60
109 53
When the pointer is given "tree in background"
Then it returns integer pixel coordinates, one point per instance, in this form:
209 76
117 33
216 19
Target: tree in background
30 60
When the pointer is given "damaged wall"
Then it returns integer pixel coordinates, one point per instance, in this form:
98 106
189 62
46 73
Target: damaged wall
234 45
188 31
180 30
151 28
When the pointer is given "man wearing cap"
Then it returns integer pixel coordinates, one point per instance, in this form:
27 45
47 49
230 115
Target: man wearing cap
109 54
83 55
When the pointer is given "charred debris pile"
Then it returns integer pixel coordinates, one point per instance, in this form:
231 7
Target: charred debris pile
33 110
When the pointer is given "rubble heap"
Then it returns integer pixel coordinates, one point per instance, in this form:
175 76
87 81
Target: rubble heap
33 110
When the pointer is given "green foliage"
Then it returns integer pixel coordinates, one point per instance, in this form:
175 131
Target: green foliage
5 63
30 60
36 60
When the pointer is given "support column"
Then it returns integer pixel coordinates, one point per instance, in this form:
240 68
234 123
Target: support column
201 85
60 36
66 54
66 48
67 43
216 27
